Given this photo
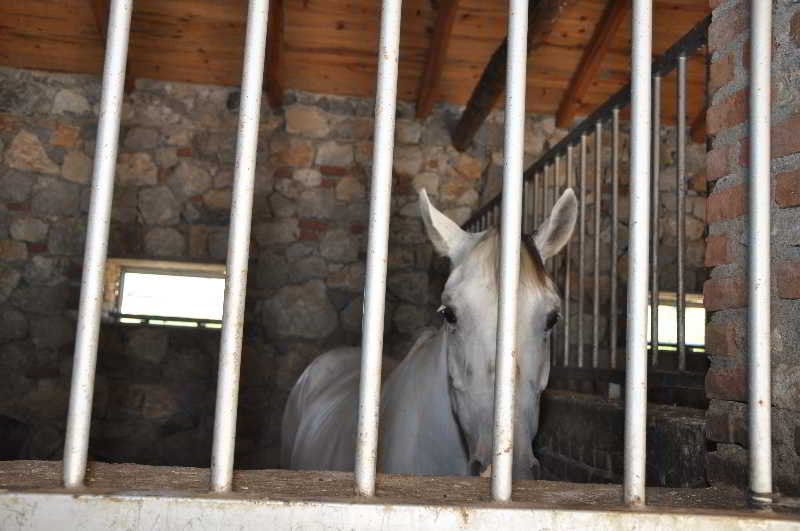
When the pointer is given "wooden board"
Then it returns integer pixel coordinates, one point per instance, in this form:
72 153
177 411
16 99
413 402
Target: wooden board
330 46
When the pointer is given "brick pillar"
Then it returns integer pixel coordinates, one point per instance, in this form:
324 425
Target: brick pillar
726 246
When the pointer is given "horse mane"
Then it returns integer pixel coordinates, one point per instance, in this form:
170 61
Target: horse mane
531 271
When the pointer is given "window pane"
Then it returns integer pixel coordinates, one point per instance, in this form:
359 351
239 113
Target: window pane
165 295
695 331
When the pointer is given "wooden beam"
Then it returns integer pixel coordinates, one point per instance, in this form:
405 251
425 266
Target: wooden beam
273 73
542 17
437 53
697 131
593 55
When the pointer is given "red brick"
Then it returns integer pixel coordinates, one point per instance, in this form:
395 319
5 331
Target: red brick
794 36
308 235
717 162
718 250
334 170
786 137
727 26
726 204
357 228
721 73
184 152
727 384
727 113
312 224
788 280
722 339
37 247
724 293
787 189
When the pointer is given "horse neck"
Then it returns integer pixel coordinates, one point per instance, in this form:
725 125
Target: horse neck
419 432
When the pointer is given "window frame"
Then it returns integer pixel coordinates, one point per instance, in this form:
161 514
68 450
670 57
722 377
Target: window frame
113 289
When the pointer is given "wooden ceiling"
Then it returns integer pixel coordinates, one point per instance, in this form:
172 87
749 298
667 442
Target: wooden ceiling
330 46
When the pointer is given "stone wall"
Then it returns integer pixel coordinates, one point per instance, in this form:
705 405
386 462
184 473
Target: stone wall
155 386
581 439
726 290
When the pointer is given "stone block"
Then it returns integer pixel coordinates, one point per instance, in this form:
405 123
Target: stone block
307 121
164 242
339 246
158 206
77 167
54 197
136 169
27 153
302 311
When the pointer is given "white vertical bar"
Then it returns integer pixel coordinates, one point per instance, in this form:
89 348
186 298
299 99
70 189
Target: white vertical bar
636 365
680 190
377 250
509 261
760 427
598 195
76 444
656 202
614 236
581 249
230 351
567 269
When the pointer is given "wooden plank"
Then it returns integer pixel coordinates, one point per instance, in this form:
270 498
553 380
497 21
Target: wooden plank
436 57
491 86
100 11
616 11
273 78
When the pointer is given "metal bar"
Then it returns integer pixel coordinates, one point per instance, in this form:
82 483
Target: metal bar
636 365
598 194
377 250
656 200
680 190
567 272
76 444
581 251
760 428
509 260
556 260
614 237
667 62
230 351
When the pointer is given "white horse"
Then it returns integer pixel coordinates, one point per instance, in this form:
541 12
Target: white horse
437 406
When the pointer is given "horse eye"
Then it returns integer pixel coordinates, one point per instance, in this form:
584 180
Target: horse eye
552 319
448 314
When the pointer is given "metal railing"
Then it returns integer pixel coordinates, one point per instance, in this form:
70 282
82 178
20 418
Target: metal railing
513 214
644 97
591 177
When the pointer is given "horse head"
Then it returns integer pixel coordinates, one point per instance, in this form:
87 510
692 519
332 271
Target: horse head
470 308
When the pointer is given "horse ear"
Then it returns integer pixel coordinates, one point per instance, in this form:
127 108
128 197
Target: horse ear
556 230
446 236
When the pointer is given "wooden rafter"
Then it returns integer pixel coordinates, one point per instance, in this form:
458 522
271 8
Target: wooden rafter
437 53
593 55
697 131
542 17
273 73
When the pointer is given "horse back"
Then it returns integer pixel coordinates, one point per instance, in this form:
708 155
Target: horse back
319 422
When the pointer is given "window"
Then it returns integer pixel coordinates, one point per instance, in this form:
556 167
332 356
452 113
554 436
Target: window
164 293
695 319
